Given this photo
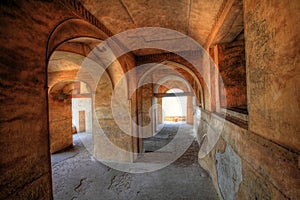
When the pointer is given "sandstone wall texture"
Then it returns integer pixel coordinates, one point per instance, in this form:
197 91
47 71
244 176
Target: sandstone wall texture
269 148
266 153
272 56
60 116
25 161
114 130
25 155
232 69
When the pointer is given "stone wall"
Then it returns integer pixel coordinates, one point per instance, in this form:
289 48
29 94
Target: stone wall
269 171
82 104
25 155
199 70
145 109
60 118
269 149
273 72
165 76
232 68
113 132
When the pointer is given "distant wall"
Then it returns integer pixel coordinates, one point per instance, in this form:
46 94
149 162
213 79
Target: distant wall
82 104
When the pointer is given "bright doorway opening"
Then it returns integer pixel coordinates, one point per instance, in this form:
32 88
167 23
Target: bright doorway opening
174 107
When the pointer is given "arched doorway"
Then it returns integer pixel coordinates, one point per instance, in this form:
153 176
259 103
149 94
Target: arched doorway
89 65
82 108
174 107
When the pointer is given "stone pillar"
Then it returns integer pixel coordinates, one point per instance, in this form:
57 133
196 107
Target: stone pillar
159 111
60 123
147 94
190 110
217 89
111 141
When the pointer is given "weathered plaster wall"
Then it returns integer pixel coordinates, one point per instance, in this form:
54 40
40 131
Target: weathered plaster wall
159 111
170 84
269 171
229 169
116 112
273 72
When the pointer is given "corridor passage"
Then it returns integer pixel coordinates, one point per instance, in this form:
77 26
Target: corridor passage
77 175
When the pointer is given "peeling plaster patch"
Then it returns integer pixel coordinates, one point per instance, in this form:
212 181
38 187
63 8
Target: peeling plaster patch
229 169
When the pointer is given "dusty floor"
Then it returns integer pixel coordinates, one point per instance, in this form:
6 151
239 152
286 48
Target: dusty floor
76 175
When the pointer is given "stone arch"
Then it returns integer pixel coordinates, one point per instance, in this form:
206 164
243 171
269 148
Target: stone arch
147 116
201 86
75 46
172 84
64 66
70 29
87 70
181 84
203 90
175 109
171 77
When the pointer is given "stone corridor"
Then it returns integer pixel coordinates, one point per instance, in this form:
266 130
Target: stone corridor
105 68
77 175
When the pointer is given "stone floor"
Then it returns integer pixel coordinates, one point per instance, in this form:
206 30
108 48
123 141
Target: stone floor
77 175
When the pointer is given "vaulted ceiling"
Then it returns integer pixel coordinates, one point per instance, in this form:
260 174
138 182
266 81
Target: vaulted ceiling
206 21
198 19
